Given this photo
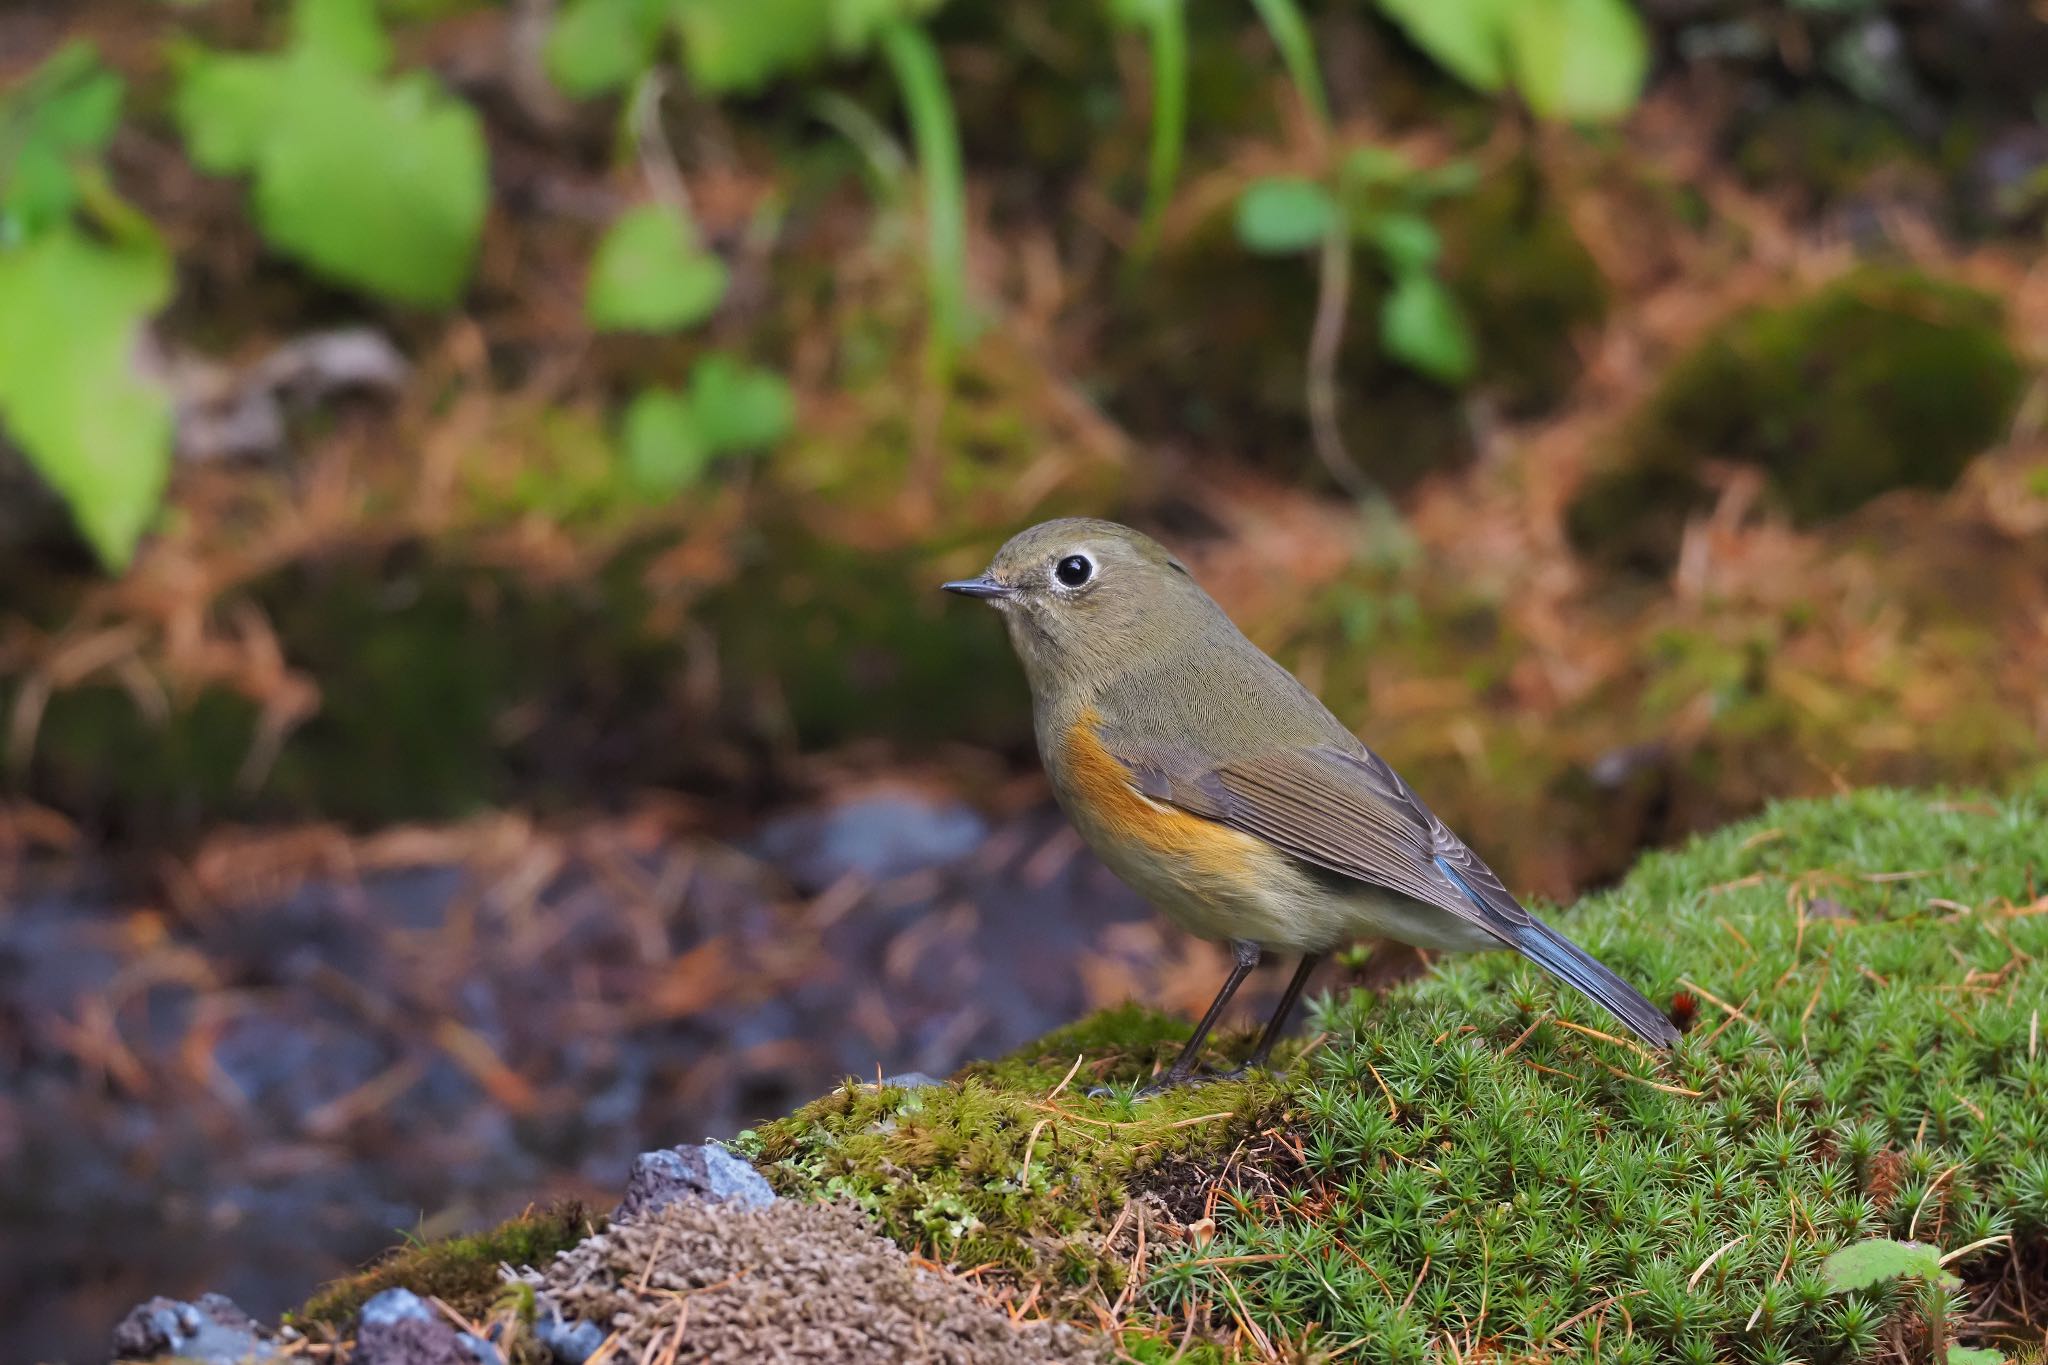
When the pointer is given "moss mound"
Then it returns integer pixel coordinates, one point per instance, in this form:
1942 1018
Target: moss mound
1471 1155
461 1271
1884 379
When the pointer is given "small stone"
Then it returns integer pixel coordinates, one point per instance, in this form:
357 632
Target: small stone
397 1327
573 1340
481 1350
706 1174
212 1330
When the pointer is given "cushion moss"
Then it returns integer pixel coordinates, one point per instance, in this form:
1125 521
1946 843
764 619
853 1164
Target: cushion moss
1885 378
460 1271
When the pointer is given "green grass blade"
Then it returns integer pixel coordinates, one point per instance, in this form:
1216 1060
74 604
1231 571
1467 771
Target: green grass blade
1298 50
935 132
1168 30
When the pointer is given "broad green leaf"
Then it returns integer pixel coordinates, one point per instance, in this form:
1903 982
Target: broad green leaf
1422 326
342 32
649 274
600 45
1407 240
665 452
99 434
1465 37
377 184
1976 1355
1877 1259
1578 59
739 407
1284 215
226 106
741 45
65 111
380 186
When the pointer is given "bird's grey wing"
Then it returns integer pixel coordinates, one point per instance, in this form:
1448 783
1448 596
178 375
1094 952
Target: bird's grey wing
1351 813
1348 813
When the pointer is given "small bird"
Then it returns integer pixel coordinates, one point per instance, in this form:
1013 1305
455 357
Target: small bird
1208 778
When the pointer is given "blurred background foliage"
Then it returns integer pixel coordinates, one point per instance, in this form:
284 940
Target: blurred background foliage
691 340
1621 411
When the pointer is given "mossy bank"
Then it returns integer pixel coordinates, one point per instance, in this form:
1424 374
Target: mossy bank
1469 1162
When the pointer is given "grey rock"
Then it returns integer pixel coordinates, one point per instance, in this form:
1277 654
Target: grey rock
398 1327
573 1342
481 1350
212 1329
878 835
706 1173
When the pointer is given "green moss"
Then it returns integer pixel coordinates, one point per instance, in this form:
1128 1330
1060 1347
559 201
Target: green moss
1821 146
443 685
461 1271
1528 283
1883 1076
823 643
944 1168
1884 379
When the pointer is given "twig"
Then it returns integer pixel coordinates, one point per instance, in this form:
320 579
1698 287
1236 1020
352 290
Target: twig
1326 340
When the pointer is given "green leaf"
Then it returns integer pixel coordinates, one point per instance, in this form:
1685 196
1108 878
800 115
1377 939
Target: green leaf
64 112
1422 326
738 407
1578 59
665 452
1408 242
1975 1355
99 434
1465 37
649 274
225 106
1878 1259
740 45
1284 215
1570 59
345 33
600 45
857 24
383 187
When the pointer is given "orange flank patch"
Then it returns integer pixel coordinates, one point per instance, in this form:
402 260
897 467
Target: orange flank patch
1101 787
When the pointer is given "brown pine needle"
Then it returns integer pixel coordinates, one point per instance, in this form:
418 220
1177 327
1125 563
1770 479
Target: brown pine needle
1724 1249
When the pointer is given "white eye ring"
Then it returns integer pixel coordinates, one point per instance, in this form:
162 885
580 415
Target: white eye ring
1073 571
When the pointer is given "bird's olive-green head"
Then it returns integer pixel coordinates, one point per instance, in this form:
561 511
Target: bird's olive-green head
1086 600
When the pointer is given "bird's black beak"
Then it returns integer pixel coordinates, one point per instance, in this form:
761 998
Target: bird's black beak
984 587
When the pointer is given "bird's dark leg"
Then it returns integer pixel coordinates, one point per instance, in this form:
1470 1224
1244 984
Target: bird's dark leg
1278 1023
1183 1069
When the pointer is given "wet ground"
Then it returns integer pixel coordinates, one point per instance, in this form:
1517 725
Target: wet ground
293 1048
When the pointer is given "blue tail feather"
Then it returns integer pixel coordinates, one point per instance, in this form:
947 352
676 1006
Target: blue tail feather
1574 966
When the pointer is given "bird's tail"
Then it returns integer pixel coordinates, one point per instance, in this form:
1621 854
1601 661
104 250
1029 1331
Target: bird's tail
1570 963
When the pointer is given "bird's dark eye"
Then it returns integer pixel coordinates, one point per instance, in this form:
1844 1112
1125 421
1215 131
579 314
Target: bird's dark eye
1074 570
